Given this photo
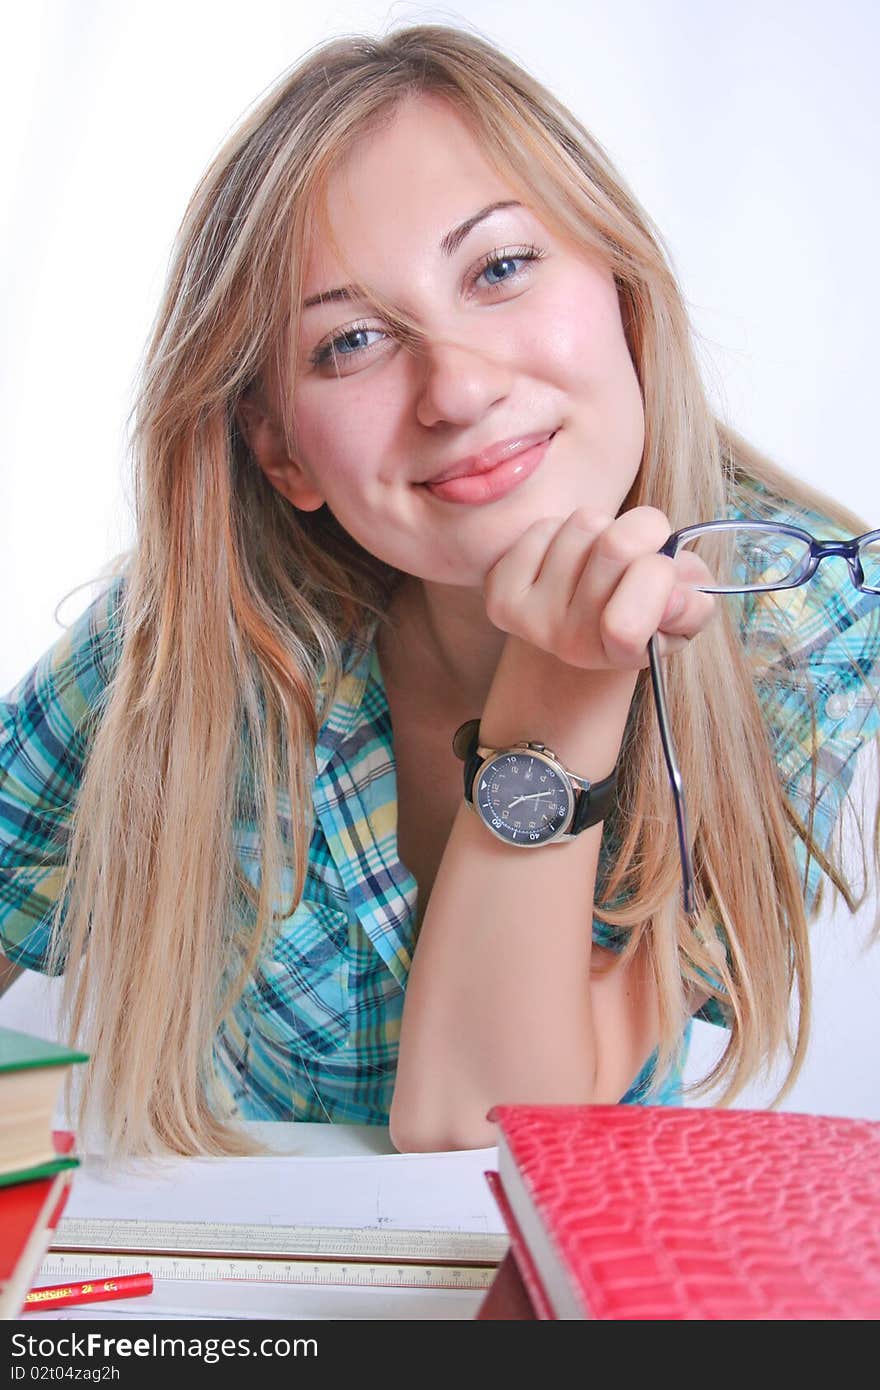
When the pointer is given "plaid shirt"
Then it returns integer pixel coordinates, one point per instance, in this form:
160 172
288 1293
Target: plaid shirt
315 1034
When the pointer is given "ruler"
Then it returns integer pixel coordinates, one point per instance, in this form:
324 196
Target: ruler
61 1267
374 1243
199 1250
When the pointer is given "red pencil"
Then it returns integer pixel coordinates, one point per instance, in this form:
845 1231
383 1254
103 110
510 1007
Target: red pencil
90 1291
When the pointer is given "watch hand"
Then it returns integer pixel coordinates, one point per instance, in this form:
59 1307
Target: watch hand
531 796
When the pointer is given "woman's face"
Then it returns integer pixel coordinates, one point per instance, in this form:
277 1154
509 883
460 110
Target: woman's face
520 342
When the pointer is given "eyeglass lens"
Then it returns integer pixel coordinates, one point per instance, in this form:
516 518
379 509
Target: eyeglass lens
744 559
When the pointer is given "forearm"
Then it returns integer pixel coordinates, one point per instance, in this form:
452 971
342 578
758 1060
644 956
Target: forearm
499 1004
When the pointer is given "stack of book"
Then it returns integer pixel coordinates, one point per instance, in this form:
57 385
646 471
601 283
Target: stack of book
37 1161
641 1212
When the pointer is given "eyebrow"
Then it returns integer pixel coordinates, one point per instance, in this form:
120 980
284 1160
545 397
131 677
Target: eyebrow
448 245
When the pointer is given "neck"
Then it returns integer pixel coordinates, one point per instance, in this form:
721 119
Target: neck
441 646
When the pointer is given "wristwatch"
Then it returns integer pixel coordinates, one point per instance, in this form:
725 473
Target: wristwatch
524 794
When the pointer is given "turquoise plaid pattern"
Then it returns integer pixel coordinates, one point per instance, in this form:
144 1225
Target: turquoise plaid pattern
315 1034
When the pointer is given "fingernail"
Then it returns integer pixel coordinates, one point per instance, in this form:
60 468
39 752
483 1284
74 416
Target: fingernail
674 606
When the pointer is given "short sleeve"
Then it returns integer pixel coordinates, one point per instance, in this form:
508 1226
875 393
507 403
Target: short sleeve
46 722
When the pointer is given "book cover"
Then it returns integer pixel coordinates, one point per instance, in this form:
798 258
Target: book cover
32 1073
507 1298
29 1213
516 1292
655 1212
20 1050
64 1158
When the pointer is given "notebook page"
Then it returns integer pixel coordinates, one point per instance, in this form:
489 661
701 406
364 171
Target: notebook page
436 1192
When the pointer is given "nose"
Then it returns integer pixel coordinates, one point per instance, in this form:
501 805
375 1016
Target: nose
459 384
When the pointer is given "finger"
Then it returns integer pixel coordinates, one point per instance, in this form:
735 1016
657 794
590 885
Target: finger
693 570
636 533
567 555
634 613
687 611
511 577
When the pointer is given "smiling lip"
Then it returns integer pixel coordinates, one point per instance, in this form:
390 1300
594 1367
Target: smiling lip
488 484
490 458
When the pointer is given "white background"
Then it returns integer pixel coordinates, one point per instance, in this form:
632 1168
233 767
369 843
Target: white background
749 133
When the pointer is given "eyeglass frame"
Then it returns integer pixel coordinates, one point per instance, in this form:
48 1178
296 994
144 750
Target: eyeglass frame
818 551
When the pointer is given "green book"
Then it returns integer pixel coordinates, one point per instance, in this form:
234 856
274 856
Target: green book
19 1050
32 1073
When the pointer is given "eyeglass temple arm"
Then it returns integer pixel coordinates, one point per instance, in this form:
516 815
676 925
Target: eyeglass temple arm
681 816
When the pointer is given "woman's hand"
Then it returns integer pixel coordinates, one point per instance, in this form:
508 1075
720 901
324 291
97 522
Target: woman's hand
591 590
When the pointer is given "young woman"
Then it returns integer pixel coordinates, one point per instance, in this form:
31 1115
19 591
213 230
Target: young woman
419 412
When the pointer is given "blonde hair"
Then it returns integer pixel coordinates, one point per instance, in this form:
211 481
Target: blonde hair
236 605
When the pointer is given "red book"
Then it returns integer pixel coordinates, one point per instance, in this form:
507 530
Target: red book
29 1213
653 1212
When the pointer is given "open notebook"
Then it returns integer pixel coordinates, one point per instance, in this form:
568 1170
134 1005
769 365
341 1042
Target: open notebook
380 1191
433 1207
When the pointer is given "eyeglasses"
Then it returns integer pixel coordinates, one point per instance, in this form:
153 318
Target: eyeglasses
756 557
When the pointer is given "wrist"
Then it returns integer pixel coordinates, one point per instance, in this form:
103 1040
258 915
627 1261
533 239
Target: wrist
580 714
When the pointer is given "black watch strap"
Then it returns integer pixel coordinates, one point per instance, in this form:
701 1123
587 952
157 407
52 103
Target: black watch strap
590 806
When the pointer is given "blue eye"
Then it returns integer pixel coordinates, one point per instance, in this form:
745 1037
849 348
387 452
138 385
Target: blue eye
504 264
350 342
347 344
345 352
506 267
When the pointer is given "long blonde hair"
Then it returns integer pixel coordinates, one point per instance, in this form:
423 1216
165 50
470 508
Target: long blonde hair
235 607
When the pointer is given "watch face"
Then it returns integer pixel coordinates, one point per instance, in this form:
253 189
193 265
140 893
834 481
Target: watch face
522 798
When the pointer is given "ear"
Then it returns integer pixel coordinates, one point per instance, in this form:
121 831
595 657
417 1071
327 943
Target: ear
266 442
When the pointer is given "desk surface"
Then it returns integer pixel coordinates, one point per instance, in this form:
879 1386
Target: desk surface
216 1300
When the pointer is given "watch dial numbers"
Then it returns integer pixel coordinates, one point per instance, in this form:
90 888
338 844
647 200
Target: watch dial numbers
523 799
